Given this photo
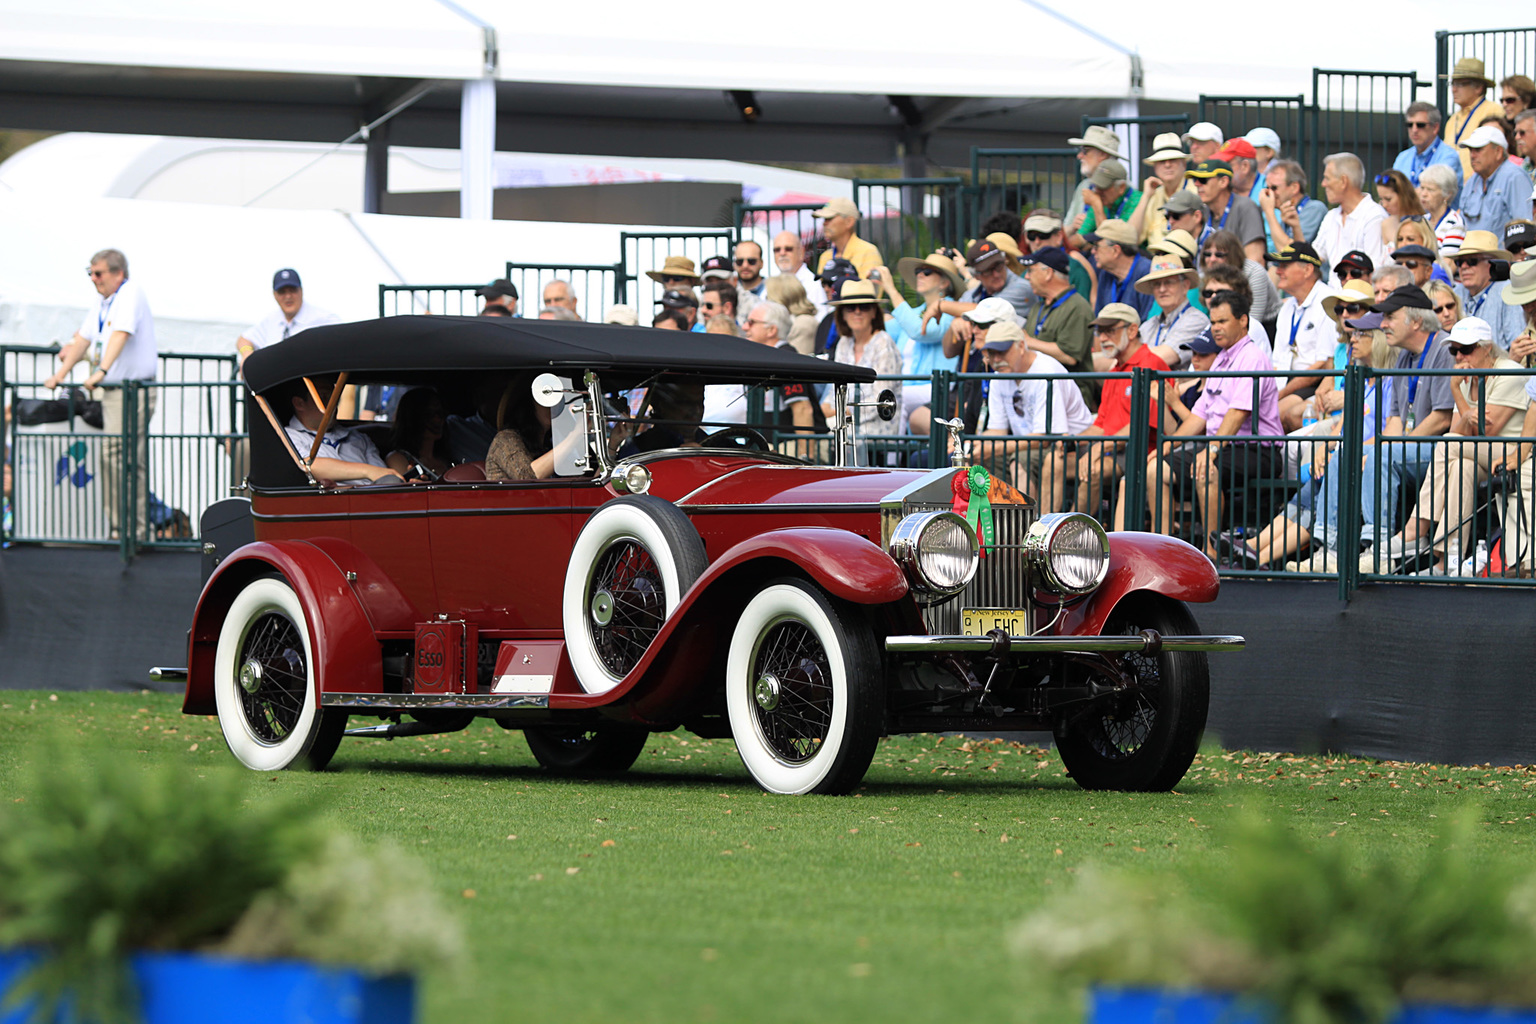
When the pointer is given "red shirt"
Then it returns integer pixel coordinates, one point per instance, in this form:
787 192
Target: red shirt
1115 399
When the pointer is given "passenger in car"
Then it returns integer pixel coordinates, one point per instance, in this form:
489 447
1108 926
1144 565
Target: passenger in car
346 455
469 437
419 437
521 449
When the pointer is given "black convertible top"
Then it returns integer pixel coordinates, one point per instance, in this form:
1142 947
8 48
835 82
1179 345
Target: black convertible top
385 349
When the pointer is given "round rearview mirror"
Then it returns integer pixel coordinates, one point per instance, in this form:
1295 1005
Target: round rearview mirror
548 390
885 405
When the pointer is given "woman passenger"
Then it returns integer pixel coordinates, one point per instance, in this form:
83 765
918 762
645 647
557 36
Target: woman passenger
420 434
521 449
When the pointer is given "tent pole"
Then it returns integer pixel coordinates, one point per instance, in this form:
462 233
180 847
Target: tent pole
477 149
376 169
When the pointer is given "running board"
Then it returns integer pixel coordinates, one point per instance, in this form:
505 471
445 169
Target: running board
999 644
460 701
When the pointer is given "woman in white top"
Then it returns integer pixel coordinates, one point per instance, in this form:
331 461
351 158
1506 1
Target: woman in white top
863 342
1437 191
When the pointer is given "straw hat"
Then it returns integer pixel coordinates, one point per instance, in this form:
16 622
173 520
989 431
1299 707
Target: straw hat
1470 67
907 268
1178 242
1484 243
1167 146
857 293
1522 283
1356 291
1163 267
1010 247
675 266
1100 138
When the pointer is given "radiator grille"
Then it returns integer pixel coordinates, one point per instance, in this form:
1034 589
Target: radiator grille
1001 579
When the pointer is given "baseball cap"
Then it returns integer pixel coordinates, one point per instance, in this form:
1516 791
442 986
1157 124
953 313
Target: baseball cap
1237 147
838 270
842 206
716 266
1203 131
984 254
1471 330
286 278
1117 313
1408 296
1357 259
1263 137
1003 335
497 288
674 299
1052 256
1369 322
992 310
1519 234
1413 250
1044 223
1209 169
1486 135
1114 230
1203 343
1183 201
1107 174
1298 252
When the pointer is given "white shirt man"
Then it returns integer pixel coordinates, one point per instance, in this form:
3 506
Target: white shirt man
789 258
292 316
1030 407
1355 220
125 310
1305 336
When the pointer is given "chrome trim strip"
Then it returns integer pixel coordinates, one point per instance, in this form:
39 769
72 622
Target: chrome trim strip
160 674
1059 644
771 509
418 513
476 701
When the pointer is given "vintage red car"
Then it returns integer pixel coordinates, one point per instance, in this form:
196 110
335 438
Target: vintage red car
727 588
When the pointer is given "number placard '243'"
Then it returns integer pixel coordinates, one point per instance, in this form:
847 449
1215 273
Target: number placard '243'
981 621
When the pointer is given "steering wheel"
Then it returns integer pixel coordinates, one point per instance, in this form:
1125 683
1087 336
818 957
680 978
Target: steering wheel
420 471
739 437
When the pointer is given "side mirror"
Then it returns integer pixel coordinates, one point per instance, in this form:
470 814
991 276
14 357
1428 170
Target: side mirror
548 390
885 405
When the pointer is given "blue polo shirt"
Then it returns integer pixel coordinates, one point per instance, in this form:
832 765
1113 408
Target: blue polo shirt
1490 203
1112 289
1413 163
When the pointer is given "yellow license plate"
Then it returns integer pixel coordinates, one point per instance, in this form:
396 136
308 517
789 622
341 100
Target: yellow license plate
981 621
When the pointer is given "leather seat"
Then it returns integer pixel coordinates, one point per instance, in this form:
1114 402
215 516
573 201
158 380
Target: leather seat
465 472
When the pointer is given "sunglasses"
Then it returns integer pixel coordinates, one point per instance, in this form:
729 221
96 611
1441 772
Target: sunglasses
1416 124
746 262
1463 350
1509 100
927 270
1038 236
710 305
1210 254
1449 307
1465 261
684 280
1412 264
863 307
1210 293
1354 274
1352 308
96 275
1383 179
783 248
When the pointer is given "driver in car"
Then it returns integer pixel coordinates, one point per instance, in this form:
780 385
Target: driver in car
346 456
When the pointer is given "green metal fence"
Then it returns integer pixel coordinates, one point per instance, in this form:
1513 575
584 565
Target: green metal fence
1287 115
436 299
1503 51
646 251
910 216
1360 112
596 286
1017 180
762 223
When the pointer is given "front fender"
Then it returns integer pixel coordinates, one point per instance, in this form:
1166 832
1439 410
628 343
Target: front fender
683 656
1143 561
346 653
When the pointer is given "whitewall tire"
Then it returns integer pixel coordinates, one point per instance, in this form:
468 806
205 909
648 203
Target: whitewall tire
803 690
630 566
264 682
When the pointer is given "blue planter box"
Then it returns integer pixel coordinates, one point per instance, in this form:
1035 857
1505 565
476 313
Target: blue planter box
1162 1006
191 988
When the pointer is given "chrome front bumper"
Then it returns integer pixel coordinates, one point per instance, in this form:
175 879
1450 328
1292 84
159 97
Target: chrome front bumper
1000 645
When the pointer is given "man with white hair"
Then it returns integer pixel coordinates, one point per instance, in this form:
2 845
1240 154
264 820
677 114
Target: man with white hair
789 258
1498 191
558 294
798 411
1354 223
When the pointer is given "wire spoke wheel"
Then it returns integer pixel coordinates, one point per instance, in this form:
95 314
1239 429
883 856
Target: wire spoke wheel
273 677
792 692
1144 734
628 605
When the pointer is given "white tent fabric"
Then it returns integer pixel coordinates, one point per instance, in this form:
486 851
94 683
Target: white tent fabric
207 269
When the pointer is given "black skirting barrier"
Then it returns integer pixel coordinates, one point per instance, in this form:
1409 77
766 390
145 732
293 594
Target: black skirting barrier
1410 672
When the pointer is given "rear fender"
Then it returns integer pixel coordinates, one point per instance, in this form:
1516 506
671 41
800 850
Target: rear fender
695 637
1143 561
347 655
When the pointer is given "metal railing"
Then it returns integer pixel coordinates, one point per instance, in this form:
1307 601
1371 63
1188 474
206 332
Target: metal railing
1503 51
1360 112
642 252
596 286
910 216
1020 179
436 299
1287 115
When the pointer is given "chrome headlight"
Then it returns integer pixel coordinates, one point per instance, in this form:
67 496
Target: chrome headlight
1068 552
937 550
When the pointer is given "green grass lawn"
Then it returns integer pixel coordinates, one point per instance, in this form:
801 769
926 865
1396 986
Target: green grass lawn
679 892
